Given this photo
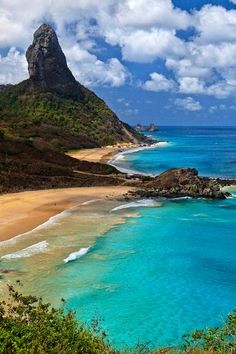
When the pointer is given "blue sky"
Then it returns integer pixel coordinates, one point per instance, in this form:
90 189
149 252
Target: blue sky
162 61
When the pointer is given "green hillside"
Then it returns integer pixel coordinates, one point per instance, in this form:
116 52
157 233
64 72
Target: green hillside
62 121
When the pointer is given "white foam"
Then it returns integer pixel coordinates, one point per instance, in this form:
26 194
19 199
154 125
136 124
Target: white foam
180 198
232 196
27 252
138 204
76 255
121 156
91 201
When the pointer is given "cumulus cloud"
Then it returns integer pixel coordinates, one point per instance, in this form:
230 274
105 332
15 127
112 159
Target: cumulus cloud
158 82
92 72
12 67
215 24
146 46
191 85
188 104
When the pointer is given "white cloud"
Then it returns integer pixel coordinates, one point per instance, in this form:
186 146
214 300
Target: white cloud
145 46
191 85
13 67
221 89
158 82
92 72
188 104
215 24
143 13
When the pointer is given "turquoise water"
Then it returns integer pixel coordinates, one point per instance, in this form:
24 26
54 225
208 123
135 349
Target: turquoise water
167 273
211 150
173 269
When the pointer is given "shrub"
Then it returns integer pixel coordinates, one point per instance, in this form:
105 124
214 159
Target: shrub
29 326
214 340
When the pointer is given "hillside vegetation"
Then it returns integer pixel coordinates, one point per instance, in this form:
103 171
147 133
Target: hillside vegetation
30 326
64 122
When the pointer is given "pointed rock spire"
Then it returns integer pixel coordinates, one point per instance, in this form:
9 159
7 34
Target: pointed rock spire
47 65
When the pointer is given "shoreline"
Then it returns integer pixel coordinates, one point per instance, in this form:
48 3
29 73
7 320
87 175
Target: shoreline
24 211
110 154
128 171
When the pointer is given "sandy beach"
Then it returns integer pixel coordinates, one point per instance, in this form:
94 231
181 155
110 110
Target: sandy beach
103 154
22 212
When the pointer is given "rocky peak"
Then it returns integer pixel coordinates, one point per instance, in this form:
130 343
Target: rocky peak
47 64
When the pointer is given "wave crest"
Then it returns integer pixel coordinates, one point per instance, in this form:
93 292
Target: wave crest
76 255
138 204
28 251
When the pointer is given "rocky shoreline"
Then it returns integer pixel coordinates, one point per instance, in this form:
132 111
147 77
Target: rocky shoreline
182 182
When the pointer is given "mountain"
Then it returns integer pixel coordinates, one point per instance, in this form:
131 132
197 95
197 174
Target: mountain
55 109
49 113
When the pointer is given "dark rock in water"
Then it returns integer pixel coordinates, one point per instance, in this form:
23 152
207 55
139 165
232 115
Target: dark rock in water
183 182
152 128
47 64
139 128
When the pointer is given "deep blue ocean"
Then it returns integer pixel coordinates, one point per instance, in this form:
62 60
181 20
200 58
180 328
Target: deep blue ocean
173 268
212 151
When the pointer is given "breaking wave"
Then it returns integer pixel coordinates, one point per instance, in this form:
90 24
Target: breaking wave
76 255
138 204
28 251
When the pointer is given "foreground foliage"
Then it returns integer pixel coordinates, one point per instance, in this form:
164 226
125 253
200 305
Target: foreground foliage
215 340
29 326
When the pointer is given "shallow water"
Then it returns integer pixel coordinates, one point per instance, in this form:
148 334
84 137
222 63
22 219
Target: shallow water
168 269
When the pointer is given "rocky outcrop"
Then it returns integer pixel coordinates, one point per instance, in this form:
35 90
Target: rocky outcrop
139 127
47 64
182 182
150 128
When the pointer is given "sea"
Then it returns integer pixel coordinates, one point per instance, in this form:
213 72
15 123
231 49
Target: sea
151 270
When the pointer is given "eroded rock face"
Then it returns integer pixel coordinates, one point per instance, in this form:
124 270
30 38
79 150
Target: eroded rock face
47 64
